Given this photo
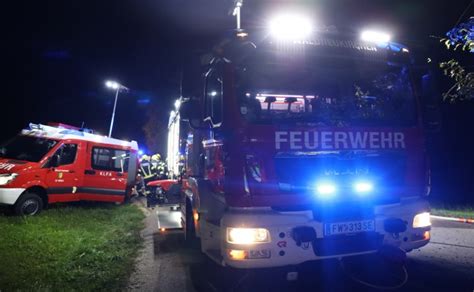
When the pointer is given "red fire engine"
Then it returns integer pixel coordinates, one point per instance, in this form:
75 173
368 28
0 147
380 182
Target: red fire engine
302 149
60 163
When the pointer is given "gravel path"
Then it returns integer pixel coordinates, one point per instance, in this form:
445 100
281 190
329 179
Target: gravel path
157 269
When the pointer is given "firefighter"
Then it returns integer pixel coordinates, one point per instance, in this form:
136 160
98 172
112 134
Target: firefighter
144 174
155 162
158 166
146 168
151 168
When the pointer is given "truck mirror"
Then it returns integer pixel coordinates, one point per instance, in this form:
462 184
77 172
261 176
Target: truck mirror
431 99
190 110
432 118
206 59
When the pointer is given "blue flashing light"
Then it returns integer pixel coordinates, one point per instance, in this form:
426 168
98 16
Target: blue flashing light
143 101
363 187
71 132
326 189
141 152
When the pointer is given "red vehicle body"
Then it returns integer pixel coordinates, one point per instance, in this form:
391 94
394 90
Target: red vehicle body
304 151
46 164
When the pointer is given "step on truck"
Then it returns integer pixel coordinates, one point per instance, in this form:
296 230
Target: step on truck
53 163
301 150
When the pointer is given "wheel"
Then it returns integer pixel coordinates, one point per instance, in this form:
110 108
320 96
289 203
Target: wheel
28 204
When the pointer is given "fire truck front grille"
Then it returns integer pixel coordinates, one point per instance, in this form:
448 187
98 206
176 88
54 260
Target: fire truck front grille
297 173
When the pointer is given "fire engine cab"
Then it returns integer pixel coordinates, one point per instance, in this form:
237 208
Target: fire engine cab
302 149
59 163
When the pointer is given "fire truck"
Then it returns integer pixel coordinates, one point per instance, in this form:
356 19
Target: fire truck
53 163
302 148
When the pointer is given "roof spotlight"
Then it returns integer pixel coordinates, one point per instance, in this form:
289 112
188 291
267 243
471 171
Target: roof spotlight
290 27
376 37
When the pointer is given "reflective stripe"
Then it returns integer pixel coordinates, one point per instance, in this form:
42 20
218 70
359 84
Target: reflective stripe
86 190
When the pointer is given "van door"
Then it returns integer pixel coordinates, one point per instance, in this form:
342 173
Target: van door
63 174
106 173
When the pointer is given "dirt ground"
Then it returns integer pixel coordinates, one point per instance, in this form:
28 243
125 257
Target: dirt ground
156 269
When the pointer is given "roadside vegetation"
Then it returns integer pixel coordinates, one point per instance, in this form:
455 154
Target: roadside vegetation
80 247
453 211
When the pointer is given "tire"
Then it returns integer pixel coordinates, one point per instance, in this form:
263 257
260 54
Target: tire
28 204
190 229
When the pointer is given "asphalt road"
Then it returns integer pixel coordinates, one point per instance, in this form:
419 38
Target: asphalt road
168 264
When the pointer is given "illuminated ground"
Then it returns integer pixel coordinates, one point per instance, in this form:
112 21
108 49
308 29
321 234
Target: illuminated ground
167 264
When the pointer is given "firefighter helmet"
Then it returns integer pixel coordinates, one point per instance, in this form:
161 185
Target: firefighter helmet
144 158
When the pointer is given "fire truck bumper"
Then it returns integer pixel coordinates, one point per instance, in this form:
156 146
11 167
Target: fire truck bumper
8 196
264 238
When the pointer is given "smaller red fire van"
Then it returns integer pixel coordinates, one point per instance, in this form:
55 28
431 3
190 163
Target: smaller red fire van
59 163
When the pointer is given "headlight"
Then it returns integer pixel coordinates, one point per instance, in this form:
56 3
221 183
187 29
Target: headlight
247 235
422 220
7 178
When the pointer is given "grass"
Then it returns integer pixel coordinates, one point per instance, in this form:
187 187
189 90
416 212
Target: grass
453 211
85 248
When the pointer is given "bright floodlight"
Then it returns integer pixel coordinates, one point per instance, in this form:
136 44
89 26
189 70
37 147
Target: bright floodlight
375 37
290 27
112 84
363 187
177 103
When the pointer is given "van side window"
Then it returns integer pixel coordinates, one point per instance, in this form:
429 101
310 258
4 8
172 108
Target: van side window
66 154
110 159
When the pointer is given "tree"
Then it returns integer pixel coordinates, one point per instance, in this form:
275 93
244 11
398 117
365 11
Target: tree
155 129
461 36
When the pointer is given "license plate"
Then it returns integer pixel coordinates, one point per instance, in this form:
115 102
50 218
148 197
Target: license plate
259 254
349 227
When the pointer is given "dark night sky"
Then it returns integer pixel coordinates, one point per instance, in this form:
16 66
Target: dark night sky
57 54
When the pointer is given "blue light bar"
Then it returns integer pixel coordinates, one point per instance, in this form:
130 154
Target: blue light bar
363 187
326 189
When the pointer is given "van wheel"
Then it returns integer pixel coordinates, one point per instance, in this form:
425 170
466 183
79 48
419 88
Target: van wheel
28 204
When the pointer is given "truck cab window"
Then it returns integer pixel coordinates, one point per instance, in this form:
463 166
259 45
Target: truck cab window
213 96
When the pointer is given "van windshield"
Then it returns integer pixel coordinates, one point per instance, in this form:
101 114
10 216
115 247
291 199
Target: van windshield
26 148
